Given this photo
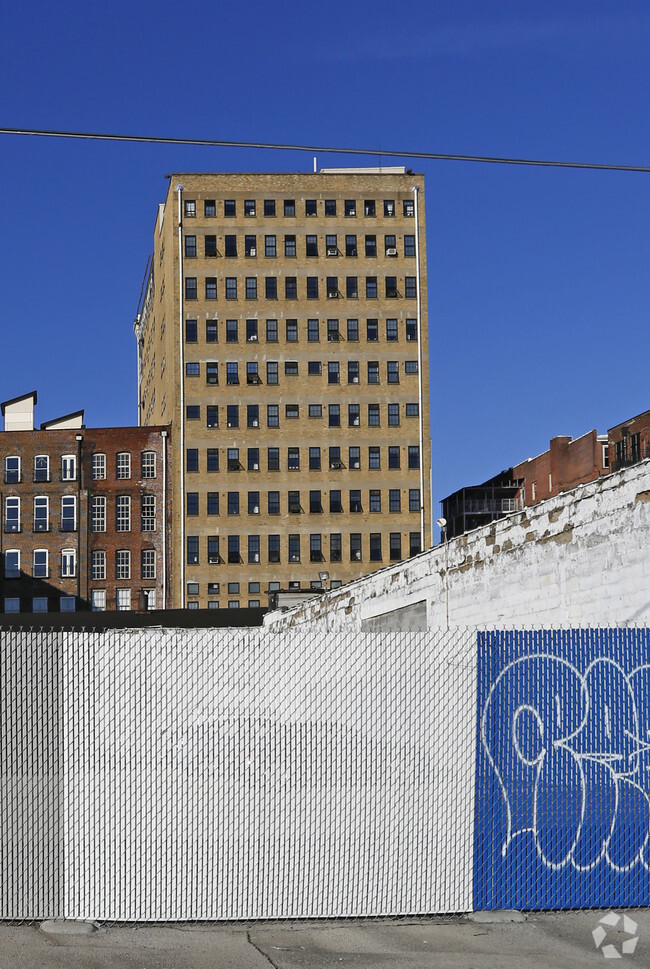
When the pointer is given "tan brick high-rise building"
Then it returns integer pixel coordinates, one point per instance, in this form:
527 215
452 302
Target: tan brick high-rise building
283 334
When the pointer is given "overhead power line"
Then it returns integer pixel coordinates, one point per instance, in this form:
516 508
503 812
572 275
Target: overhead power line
382 152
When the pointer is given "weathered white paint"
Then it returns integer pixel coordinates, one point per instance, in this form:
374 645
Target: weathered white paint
580 558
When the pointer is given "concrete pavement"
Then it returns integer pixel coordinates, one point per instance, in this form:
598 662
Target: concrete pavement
542 940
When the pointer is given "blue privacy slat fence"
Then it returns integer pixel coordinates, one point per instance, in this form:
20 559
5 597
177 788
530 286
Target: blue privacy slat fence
562 809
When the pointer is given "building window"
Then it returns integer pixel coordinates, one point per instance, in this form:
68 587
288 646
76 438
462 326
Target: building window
211 331
123 564
123 600
210 208
273 458
393 456
192 545
336 505
39 563
314 458
251 287
232 372
273 502
373 372
190 246
272 372
354 415
229 208
315 502
332 283
371 287
375 546
410 366
290 287
373 459
392 371
353 331
148 513
148 563
373 415
292 331
330 207
414 456
350 207
393 415
41 467
355 501
193 412
234 555
123 513
312 287
334 415
272 415
213 459
214 557
311 246
252 415
249 207
293 459
232 415
351 287
68 513
270 246
68 467
98 564
233 502
414 499
253 459
314 368
271 331
274 548
410 287
189 208
394 500
354 458
123 465
331 245
98 513
190 287
355 546
371 245
192 459
210 287
148 464
372 331
39 604
335 547
252 374
68 563
231 288
333 372
12 564
292 411
253 549
41 514
269 207
392 333
409 245
413 410
313 331
191 331
315 548
311 208
98 600
233 459
289 208
253 502
369 208
415 544
350 245
210 246
290 246
391 287
291 368
294 548
212 506
395 546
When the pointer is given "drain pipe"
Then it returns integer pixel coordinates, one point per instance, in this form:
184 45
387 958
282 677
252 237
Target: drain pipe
416 199
181 344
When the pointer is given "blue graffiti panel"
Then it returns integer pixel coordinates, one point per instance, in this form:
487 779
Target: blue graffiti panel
562 811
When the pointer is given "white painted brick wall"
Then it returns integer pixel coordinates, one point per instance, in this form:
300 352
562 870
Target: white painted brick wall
582 557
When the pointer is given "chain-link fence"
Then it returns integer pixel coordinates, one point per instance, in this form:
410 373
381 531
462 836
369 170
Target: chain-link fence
240 774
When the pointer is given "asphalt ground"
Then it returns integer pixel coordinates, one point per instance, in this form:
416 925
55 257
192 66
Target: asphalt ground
561 940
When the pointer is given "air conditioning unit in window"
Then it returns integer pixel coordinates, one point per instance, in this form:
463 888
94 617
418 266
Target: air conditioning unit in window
252 338
355 380
391 252
255 424
256 510
255 556
332 295
332 251
252 251
255 467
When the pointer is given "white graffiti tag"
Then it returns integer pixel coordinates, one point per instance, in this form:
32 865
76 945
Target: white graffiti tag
571 754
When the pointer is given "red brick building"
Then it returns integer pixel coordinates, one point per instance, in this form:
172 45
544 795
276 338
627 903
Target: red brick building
565 465
85 514
629 442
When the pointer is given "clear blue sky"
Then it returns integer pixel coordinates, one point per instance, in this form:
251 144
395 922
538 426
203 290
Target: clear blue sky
538 279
